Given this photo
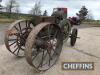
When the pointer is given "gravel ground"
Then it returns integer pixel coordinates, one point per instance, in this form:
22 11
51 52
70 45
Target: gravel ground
3 28
87 48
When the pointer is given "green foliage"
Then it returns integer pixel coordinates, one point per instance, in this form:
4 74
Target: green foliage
4 16
12 6
45 13
36 10
92 22
82 13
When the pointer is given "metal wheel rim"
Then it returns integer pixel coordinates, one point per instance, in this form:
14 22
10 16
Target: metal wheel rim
8 37
31 39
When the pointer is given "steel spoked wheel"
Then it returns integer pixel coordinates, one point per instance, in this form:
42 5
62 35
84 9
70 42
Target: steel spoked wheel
73 37
43 46
16 35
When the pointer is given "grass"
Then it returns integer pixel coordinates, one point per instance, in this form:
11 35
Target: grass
92 22
6 20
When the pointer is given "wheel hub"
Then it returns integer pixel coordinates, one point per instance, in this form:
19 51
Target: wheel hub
24 36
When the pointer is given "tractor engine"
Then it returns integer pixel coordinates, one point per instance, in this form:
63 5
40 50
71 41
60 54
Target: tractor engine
59 14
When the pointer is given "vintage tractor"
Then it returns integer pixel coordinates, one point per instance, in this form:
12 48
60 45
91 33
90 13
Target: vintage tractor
40 39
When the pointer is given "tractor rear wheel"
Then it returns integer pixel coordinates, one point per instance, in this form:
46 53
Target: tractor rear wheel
16 35
43 46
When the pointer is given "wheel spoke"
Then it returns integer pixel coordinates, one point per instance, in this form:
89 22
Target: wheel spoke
16 28
15 50
53 46
55 34
49 32
15 45
18 51
16 38
46 57
50 59
41 63
21 37
35 56
12 43
29 24
22 48
49 53
55 52
26 24
20 28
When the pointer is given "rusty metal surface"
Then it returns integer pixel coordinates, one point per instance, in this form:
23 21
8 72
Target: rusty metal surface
31 37
38 19
31 41
50 19
12 33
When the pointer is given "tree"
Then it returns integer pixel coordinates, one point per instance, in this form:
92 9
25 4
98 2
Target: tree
83 13
1 7
11 6
17 11
45 13
36 10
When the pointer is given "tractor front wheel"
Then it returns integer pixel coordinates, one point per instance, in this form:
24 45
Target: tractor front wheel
73 37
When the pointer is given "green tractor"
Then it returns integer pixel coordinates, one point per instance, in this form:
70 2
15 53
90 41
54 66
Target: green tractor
41 38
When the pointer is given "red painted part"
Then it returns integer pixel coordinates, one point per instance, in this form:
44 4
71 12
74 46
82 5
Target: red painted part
64 9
